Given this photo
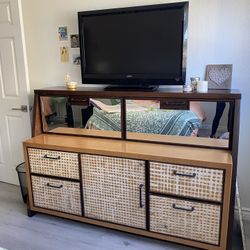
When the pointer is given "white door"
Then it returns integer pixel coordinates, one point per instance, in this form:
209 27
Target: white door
14 124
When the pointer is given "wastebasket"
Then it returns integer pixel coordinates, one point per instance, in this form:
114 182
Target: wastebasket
21 171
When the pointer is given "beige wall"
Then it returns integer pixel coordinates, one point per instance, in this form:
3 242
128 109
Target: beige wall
218 33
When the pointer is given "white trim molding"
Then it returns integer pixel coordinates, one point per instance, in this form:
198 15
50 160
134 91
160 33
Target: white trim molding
245 213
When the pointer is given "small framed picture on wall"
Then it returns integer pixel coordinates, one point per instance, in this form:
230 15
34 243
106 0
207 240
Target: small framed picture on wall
76 59
64 53
62 33
74 41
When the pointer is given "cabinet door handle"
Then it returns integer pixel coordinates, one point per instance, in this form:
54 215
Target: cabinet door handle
185 175
140 188
51 157
176 103
54 186
183 208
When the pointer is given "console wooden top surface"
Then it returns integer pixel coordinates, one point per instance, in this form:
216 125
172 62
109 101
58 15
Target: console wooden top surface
170 92
185 155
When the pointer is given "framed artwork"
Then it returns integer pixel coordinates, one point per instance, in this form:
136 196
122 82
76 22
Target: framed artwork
64 53
74 40
219 76
63 33
76 59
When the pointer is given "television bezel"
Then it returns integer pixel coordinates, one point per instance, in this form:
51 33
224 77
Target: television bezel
135 79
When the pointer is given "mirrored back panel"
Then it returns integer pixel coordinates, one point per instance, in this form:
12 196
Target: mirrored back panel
81 116
179 122
184 122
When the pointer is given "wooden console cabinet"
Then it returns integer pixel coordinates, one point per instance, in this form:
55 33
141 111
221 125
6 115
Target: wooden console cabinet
178 193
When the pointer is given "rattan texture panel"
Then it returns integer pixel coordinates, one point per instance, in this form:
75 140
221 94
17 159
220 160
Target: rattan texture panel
111 189
202 224
66 166
65 199
206 184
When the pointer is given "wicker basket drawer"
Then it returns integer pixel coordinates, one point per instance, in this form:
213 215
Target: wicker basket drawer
63 196
54 163
185 219
195 182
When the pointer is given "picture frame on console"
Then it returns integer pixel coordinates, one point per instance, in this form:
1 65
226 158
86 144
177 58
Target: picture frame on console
219 76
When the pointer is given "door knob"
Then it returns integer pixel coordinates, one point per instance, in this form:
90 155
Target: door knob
24 108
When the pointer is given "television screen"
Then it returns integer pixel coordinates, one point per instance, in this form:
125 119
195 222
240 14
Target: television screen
139 45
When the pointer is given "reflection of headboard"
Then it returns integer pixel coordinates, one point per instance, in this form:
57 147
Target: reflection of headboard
144 116
197 108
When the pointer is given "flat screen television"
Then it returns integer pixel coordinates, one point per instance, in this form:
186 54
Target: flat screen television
135 46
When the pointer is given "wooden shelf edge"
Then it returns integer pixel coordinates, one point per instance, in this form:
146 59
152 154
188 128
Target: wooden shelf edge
174 154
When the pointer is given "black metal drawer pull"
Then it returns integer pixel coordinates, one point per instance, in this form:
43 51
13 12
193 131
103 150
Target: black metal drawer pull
176 103
51 157
140 187
185 175
183 208
54 186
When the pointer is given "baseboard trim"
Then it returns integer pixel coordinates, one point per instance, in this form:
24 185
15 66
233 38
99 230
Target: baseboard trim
245 213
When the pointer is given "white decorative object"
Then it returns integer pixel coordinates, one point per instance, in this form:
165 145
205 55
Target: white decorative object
187 87
219 76
194 81
202 86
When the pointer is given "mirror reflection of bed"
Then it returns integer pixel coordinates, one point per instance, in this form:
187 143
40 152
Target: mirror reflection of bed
147 120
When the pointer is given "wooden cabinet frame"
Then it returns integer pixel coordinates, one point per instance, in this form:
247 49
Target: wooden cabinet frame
148 151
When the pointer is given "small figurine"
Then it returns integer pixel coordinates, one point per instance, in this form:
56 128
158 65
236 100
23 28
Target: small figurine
67 78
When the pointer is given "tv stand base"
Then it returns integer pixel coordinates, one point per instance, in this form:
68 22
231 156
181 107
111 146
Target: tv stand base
132 88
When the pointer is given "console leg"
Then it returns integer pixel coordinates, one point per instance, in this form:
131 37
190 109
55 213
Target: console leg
30 213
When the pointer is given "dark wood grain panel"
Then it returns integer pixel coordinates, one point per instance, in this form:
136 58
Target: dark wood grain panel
160 93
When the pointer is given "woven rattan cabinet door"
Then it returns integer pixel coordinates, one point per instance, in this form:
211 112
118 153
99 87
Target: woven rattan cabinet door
114 190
